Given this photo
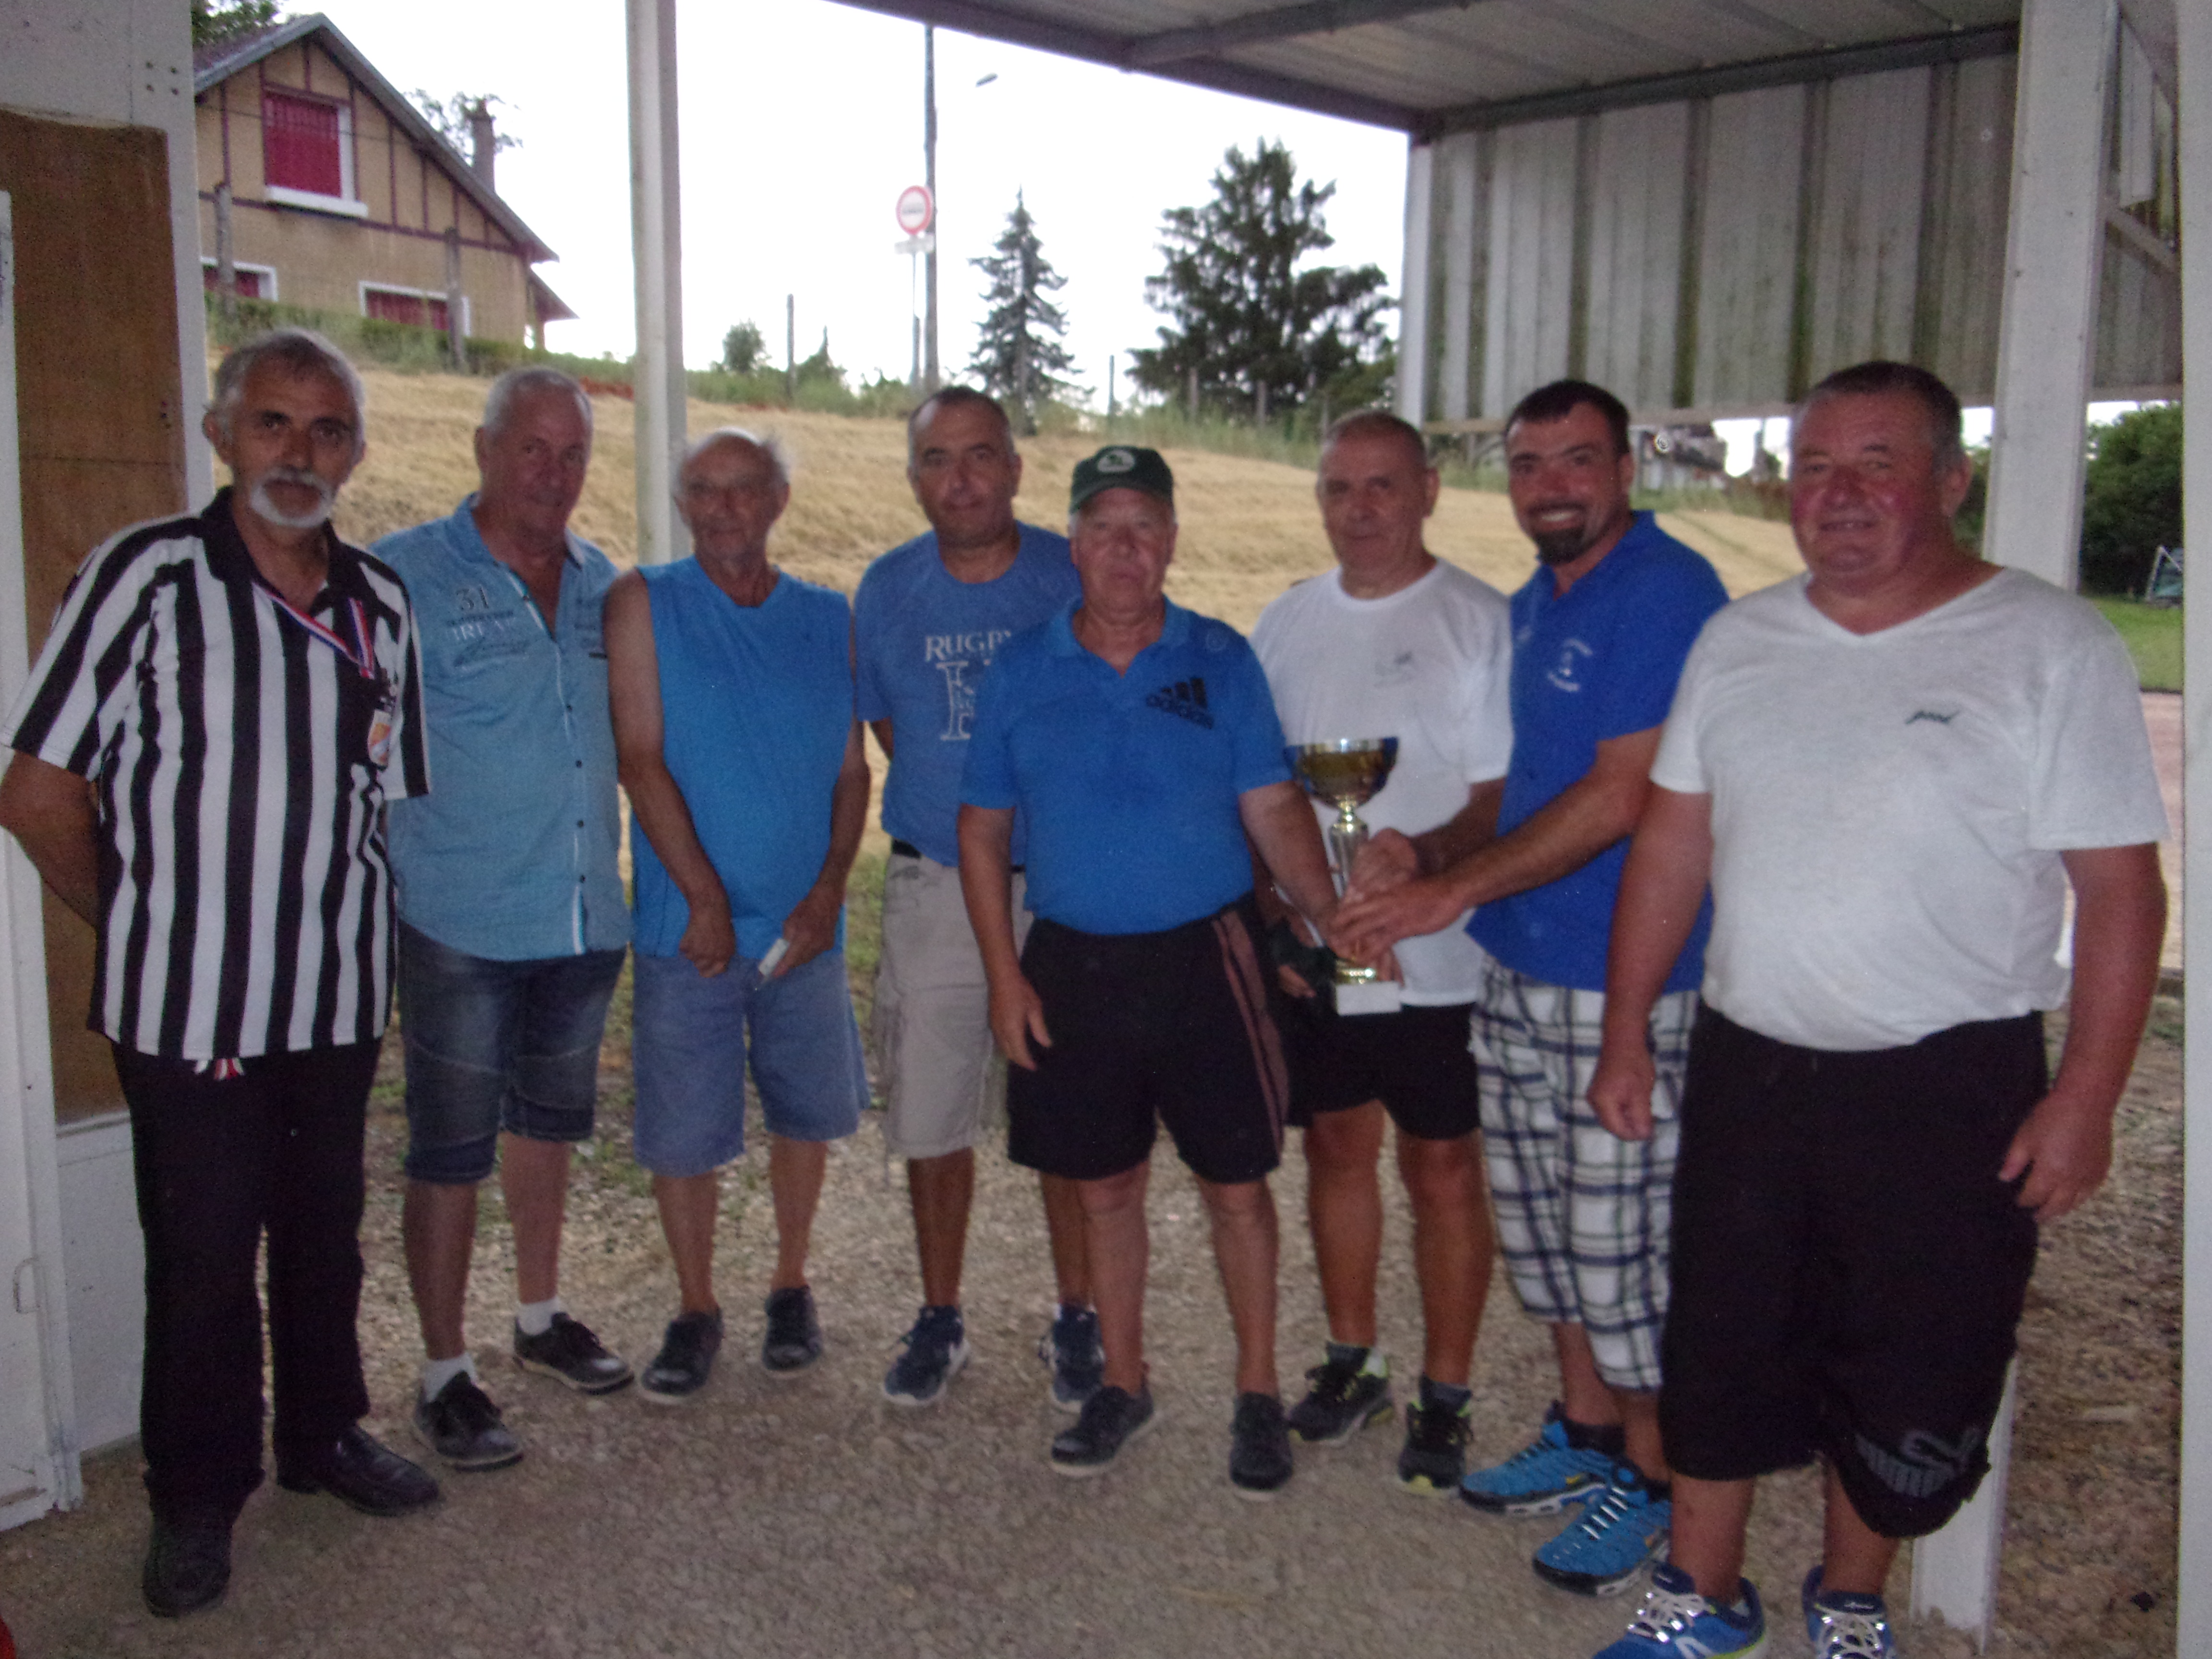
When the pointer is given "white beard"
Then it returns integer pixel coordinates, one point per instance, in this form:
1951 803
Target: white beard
326 498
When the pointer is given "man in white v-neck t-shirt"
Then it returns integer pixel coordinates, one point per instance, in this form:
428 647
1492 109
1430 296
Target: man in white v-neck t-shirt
1892 771
1393 643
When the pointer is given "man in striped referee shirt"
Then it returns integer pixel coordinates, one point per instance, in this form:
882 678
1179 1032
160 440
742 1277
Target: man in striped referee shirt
223 707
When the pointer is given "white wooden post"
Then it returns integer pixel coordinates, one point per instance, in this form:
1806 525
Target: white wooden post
2193 1618
1413 301
2054 245
657 246
38 1411
2046 343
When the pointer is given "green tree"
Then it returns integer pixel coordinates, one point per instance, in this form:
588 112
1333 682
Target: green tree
1019 354
2131 498
216 21
450 120
1262 332
743 349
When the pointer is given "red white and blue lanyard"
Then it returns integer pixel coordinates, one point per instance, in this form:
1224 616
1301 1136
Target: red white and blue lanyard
357 653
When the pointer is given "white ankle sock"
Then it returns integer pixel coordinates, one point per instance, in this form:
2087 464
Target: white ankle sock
436 1373
536 1318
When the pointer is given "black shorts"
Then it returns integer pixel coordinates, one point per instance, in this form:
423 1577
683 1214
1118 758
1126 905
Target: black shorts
1848 1270
1171 1028
1415 1061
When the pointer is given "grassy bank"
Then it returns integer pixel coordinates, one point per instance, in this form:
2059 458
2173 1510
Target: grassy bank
2152 633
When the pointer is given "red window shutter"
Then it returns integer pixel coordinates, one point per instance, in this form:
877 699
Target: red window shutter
249 281
438 315
299 144
395 307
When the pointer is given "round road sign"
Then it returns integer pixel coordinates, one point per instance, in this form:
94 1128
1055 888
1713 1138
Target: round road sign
916 209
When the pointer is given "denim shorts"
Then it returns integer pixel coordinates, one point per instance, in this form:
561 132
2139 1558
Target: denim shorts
689 1040
496 1045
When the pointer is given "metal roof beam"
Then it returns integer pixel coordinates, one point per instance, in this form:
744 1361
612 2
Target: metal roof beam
1996 40
1098 46
1147 52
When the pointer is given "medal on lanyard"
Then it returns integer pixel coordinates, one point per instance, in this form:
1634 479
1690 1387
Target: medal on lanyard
358 653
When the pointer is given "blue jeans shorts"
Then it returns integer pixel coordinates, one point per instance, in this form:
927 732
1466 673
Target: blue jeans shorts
689 1044
496 1045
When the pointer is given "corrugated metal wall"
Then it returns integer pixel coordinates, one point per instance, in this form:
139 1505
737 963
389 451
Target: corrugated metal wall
1724 253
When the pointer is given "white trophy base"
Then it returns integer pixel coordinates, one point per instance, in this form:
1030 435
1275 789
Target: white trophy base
1374 996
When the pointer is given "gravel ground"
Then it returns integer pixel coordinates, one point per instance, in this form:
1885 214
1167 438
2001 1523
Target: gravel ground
811 1518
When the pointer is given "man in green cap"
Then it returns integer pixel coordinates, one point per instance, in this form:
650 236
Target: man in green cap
1140 744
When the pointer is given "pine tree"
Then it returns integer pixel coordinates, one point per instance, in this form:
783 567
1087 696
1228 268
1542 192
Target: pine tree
1252 333
217 22
1019 356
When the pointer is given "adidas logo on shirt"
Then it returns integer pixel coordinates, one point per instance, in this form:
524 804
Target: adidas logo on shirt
1185 700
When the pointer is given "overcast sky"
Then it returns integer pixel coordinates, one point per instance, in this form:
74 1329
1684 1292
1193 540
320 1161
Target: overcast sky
801 125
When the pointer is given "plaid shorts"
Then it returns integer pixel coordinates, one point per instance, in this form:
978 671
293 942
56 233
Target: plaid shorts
1583 1216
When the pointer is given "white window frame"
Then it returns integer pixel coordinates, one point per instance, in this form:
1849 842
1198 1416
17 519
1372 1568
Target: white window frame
425 295
266 273
346 202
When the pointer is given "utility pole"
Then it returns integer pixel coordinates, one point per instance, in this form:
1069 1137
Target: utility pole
791 349
1110 364
226 260
929 375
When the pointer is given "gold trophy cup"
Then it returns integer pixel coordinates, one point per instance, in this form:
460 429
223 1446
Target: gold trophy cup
1347 773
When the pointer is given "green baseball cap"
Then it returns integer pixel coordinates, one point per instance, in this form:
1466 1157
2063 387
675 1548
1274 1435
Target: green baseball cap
1122 467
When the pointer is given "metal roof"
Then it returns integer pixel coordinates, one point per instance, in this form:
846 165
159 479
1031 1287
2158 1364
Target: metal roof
214 65
1431 67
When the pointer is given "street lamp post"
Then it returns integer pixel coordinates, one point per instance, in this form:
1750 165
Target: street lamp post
929 371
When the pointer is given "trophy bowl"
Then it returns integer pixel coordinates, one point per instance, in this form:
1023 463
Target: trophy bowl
1347 773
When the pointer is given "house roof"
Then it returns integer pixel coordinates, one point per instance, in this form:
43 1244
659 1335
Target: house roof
1430 66
550 307
212 65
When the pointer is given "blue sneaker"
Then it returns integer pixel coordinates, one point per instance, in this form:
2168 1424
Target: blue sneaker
1542 1478
1845 1625
930 1356
1072 1350
1605 1546
1676 1622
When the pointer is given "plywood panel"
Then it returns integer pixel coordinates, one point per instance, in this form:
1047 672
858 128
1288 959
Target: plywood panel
1865 241
2138 320
1747 268
1638 185
1962 270
1459 168
1530 292
100 408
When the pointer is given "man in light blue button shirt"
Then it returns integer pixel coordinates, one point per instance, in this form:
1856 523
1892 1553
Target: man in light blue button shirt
511 921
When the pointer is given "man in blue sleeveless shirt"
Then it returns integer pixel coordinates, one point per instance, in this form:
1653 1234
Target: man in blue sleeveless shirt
928 618
732 687
1600 634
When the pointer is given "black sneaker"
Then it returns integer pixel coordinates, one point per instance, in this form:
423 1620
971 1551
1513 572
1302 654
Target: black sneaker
686 1358
1435 1457
1259 1447
794 1340
464 1427
567 1352
930 1356
1078 1359
1342 1399
187 1563
1111 1418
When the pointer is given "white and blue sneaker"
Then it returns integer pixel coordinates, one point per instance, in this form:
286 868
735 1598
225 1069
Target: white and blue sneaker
930 1356
1605 1546
1676 1622
1845 1625
1542 1478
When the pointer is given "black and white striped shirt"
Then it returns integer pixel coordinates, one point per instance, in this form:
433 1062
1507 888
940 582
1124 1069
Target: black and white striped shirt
241 755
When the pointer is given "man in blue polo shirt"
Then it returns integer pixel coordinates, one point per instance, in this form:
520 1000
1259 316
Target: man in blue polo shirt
1600 634
511 923
1140 745
927 619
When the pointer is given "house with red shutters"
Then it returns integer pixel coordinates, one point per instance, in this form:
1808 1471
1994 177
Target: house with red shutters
332 192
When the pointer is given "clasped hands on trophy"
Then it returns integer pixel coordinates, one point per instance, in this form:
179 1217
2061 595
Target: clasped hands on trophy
1345 773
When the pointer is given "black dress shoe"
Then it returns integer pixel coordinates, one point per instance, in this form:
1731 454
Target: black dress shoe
364 1472
187 1563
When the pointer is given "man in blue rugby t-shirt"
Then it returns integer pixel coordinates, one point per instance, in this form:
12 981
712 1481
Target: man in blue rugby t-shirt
1600 634
928 618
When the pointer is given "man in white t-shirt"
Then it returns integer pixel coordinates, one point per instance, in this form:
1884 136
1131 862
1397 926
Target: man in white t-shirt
1890 769
1394 644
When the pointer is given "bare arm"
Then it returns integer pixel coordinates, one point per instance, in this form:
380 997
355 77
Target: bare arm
1280 824
986 880
50 811
1575 826
633 691
1390 858
2065 1148
1660 890
882 731
811 927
